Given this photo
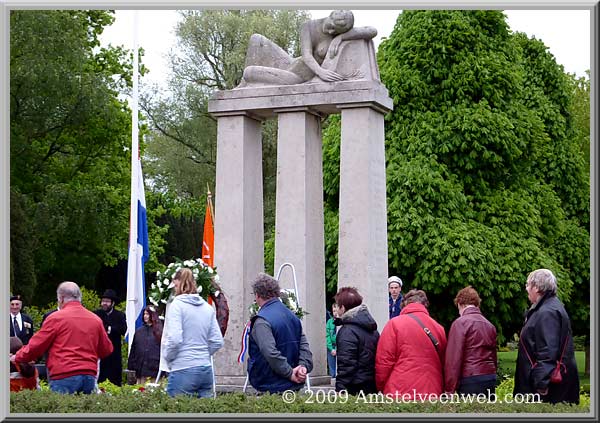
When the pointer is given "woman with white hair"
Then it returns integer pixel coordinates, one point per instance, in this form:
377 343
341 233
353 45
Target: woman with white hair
546 360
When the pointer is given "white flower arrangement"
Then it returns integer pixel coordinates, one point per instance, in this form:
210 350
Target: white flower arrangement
289 299
161 291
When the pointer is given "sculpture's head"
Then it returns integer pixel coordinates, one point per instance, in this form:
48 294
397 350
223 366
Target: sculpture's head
338 22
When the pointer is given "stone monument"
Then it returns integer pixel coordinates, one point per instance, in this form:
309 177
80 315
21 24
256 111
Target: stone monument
337 73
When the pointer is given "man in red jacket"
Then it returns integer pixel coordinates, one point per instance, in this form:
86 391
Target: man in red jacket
74 338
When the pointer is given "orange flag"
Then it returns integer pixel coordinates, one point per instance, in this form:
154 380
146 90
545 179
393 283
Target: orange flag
208 239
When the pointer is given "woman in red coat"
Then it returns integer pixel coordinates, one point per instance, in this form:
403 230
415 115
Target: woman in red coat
408 363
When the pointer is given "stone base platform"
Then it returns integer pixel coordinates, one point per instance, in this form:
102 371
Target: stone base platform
227 384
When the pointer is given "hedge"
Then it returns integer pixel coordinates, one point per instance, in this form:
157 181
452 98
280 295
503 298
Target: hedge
129 399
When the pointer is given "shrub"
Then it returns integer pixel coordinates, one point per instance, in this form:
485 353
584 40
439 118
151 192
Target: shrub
129 399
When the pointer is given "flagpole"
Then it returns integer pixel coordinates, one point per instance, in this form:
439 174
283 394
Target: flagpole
210 204
135 156
135 148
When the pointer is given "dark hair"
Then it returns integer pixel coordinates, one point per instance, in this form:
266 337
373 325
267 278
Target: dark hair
26 369
155 322
266 286
467 296
15 344
415 296
348 297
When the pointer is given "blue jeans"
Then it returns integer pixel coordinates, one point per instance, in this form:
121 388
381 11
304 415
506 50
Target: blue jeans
74 384
331 362
196 381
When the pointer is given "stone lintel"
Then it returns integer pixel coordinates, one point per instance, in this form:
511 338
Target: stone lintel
323 98
239 113
369 104
304 109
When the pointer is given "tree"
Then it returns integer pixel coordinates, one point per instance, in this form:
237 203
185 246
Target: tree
70 142
211 50
562 103
477 192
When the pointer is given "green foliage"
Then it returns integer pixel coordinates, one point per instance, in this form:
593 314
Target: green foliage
219 59
131 400
89 299
485 180
505 387
181 153
69 130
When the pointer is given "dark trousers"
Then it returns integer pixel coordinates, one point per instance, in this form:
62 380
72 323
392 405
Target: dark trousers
480 384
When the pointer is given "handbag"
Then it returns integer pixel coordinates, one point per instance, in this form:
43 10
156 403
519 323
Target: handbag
556 375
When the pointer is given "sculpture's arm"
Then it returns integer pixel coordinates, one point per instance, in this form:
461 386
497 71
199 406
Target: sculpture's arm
360 33
309 59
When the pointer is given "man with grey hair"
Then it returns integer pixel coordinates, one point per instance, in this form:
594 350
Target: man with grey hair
279 357
74 338
546 352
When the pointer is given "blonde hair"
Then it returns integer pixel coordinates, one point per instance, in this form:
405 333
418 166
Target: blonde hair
187 283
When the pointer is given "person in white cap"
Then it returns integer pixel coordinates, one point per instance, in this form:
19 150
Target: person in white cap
395 294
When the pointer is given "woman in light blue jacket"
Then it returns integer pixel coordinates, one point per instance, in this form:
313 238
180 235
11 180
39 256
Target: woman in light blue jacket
192 336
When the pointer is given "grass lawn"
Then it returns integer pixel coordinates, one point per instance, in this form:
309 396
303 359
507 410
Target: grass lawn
508 360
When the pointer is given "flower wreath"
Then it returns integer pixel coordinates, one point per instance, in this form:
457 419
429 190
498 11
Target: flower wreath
288 298
161 291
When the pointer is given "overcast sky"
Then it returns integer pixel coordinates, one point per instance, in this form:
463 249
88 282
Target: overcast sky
565 32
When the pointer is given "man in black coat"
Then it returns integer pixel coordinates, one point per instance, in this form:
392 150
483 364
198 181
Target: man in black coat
546 339
115 324
20 324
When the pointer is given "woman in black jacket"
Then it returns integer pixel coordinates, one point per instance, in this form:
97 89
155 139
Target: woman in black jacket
356 343
144 356
545 338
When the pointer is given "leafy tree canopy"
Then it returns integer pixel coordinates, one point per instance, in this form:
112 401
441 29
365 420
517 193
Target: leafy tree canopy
70 150
485 178
181 153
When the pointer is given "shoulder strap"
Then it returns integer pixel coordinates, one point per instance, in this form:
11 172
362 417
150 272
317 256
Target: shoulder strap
426 330
533 364
563 349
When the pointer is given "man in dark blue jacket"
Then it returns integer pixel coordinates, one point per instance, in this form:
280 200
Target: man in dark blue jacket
395 294
279 354
20 325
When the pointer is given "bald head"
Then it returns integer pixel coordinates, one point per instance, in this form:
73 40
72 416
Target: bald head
67 292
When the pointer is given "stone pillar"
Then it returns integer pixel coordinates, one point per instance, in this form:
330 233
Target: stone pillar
239 237
299 222
362 250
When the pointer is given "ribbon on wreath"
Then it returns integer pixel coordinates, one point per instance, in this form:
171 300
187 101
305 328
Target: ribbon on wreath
244 343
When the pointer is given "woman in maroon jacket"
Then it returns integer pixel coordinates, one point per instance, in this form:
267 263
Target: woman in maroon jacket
471 364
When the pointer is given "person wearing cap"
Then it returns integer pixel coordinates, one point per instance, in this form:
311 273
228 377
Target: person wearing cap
115 324
395 295
20 324
74 340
